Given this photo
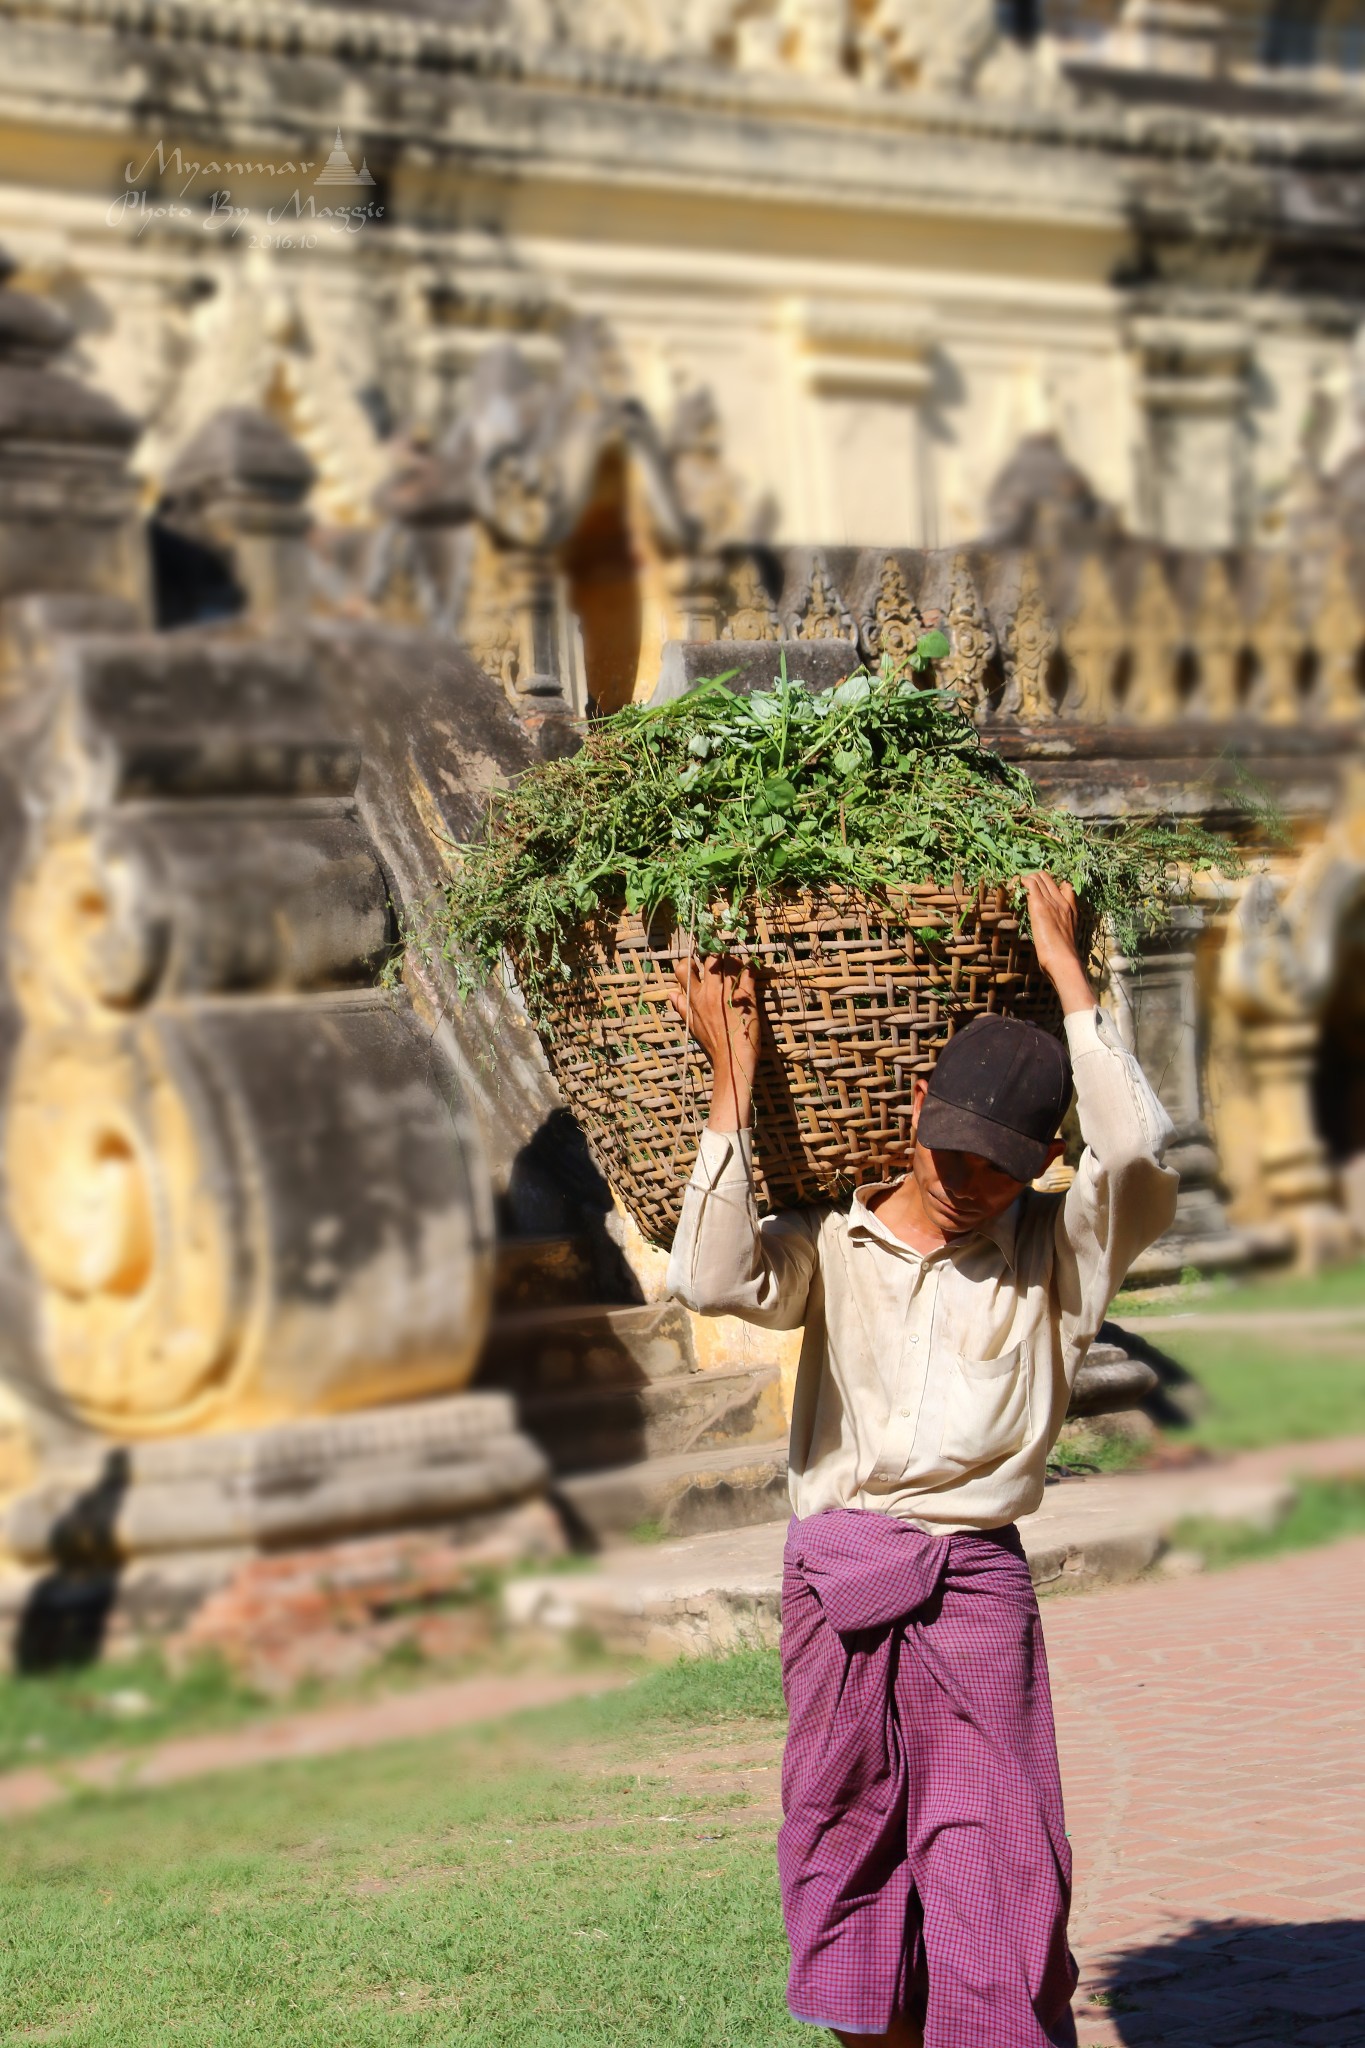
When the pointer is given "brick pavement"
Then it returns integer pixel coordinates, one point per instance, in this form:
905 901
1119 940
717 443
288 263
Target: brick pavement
1212 1733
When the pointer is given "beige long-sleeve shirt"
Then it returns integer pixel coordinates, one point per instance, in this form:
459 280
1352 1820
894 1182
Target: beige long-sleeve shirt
933 1385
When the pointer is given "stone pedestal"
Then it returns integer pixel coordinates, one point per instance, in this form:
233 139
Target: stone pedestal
68 508
242 1175
1154 1000
239 489
1294 1165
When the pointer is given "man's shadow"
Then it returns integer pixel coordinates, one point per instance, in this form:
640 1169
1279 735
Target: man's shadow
1227 1985
66 1615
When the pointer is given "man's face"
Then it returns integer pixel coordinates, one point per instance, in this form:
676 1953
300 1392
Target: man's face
960 1190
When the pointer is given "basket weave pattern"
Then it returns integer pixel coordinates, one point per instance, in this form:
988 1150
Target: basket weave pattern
857 999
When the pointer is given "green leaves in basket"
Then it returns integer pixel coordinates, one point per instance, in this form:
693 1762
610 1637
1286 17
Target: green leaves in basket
701 808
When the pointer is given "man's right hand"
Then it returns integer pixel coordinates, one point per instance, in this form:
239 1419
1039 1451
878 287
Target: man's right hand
718 1002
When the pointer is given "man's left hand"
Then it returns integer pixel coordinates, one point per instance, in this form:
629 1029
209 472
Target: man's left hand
1054 915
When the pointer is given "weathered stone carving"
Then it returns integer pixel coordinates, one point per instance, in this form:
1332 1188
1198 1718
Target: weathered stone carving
932 45
1158 632
1155 999
226 1198
1279 645
239 489
67 503
1042 501
891 629
1093 637
972 637
752 615
1276 971
1338 636
1216 639
819 612
1029 645
576 509
303 1482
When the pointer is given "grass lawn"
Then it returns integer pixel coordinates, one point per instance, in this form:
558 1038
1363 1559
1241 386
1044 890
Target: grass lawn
1274 1389
64 1713
1287 1383
599 1874
1326 1510
1339 1287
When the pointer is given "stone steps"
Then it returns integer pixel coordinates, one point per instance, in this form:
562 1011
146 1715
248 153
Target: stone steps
543 1272
731 1487
538 1353
634 1431
583 1432
721 1589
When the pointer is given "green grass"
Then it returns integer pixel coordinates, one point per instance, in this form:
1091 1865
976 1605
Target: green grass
1283 1384
1338 1287
1264 1391
540 1884
59 1714
1326 1510
1083 1451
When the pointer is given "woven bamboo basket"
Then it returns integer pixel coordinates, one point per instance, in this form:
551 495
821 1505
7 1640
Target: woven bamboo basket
858 999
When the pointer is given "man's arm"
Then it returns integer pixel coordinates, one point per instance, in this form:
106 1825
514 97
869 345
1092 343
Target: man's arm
1122 1197
724 1261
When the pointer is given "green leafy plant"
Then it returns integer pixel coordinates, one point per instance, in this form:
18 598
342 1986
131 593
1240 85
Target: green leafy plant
704 806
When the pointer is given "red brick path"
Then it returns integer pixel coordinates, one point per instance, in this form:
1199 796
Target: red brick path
1212 1733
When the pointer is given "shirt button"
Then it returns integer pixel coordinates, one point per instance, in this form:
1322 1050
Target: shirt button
914 1338
906 1413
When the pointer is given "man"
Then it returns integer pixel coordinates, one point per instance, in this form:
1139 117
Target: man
925 1870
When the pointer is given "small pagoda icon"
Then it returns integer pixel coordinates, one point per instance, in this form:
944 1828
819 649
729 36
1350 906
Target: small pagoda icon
339 170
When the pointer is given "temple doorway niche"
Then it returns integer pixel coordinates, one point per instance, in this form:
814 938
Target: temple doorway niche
1339 1082
605 563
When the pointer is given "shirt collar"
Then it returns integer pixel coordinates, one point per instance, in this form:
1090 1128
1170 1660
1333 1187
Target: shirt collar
863 1222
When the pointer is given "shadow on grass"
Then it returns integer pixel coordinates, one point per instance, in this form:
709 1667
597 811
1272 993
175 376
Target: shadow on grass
1229 1985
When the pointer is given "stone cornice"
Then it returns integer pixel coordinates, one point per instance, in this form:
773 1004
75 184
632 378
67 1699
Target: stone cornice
395 42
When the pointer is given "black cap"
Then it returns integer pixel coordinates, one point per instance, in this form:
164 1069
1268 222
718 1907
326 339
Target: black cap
1000 1089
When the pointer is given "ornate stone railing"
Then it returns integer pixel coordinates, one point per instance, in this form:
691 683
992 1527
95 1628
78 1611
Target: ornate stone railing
1128 634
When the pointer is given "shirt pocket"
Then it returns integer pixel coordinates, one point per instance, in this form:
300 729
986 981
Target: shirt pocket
987 1412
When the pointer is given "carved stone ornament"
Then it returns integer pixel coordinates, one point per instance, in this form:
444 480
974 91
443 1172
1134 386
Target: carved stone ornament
706 490
1093 640
1029 647
891 630
1275 974
1279 642
1338 633
1218 637
1158 632
492 625
752 616
520 497
823 615
973 639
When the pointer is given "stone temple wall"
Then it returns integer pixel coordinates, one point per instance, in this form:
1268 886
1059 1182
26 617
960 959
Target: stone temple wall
888 240
902 327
